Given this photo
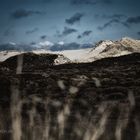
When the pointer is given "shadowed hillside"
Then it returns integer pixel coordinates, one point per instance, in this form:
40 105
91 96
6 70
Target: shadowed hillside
85 101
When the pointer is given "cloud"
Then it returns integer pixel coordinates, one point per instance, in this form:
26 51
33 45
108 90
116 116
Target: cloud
22 13
108 24
112 21
75 18
117 16
67 31
45 43
84 34
133 20
90 2
79 37
32 31
43 37
7 46
33 43
114 16
13 46
69 46
87 33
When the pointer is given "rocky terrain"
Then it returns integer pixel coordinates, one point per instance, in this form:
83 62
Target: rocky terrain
84 101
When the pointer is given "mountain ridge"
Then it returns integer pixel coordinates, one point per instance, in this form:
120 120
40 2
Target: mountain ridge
110 48
102 49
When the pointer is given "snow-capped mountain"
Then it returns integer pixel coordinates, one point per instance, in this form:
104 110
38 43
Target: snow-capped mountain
103 49
100 50
109 48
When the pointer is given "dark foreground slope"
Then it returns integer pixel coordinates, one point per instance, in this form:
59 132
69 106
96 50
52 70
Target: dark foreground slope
87 101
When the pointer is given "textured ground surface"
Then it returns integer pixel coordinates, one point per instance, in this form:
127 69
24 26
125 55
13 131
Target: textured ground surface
91 101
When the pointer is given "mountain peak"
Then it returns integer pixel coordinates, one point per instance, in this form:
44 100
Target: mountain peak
110 48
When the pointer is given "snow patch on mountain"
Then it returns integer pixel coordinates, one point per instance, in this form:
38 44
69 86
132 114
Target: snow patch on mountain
74 55
61 59
6 54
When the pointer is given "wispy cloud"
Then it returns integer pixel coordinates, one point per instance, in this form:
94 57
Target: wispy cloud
75 18
43 37
84 34
133 20
113 16
32 31
90 2
22 13
67 31
114 19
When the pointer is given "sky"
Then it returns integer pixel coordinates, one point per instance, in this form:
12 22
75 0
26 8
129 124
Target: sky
81 21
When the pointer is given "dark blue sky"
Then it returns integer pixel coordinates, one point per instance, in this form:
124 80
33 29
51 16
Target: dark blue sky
82 21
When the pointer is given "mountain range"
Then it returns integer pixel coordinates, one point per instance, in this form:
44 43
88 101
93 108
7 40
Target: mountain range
113 48
86 53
